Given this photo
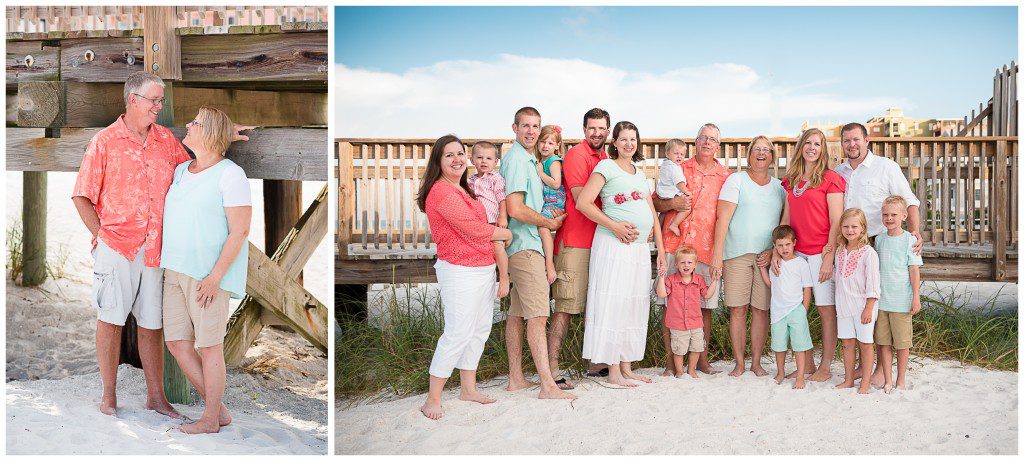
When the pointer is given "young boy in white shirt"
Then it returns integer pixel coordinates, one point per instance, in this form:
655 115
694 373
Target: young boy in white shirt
791 297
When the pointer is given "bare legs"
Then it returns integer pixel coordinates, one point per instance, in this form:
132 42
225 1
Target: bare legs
193 366
867 355
829 340
108 349
537 341
885 363
738 336
666 336
702 364
559 325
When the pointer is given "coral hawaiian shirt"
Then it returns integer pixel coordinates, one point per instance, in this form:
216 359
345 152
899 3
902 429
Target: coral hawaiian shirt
698 229
127 180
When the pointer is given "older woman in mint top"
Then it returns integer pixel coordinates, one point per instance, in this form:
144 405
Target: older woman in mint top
619 293
749 208
205 258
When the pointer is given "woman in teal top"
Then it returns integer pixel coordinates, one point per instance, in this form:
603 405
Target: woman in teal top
749 208
205 257
618 293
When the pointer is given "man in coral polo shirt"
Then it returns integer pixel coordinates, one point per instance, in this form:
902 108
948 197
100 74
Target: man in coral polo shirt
573 240
119 194
705 176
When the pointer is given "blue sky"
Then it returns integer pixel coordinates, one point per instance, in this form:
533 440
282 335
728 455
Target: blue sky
752 69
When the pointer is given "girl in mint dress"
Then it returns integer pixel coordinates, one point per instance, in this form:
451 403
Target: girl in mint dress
619 289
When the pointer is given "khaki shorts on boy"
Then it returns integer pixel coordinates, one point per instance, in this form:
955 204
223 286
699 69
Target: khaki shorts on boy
684 341
572 266
185 319
529 285
894 329
743 283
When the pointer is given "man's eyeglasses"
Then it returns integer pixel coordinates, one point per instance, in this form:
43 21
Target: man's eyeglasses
155 101
703 138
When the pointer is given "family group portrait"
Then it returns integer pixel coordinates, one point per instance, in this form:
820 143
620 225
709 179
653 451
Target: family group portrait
561 250
166 230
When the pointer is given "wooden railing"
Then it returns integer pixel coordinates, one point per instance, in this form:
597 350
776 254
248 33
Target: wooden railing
999 116
967 187
38 19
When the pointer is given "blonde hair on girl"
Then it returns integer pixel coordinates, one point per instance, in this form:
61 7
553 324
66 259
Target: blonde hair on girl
853 213
546 132
798 166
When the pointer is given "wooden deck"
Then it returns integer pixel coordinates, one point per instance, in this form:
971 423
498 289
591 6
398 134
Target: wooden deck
373 265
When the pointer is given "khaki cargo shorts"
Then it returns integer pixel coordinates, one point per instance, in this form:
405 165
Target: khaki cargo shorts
684 341
530 287
894 329
572 265
185 319
743 283
120 287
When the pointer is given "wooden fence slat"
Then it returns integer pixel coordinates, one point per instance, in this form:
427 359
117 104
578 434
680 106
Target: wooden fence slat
947 218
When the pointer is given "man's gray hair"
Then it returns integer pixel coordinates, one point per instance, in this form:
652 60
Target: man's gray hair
137 83
708 125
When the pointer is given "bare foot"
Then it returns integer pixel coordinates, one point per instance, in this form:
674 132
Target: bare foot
622 382
779 378
794 373
667 372
844 385
758 370
674 228
200 427
225 416
799 384
164 408
693 374
475 396
864 389
637 377
555 393
877 379
108 406
519 385
887 388
820 377
738 370
857 373
432 410
901 386
706 369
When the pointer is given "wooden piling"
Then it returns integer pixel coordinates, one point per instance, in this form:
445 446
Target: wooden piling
33 219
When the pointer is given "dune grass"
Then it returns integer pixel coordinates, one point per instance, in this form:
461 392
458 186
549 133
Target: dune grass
389 356
55 262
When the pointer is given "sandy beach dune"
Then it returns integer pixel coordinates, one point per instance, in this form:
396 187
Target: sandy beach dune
950 410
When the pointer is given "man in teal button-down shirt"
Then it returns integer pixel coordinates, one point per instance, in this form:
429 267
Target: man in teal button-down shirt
530 302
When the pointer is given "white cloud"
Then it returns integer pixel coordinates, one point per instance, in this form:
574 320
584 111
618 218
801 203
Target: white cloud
478 98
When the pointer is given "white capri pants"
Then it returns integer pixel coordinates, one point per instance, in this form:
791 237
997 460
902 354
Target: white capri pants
467 297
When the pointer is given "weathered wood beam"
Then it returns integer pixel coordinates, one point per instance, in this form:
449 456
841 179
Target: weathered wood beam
96 105
33 215
275 291
100 59
367 271
162 47
44 64
280 57
270 153
291 255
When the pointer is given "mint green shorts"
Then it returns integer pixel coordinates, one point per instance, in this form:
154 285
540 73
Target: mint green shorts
793 329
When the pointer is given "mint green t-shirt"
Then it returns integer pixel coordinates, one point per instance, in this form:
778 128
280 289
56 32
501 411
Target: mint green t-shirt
630 209
519 168
758 211
895 256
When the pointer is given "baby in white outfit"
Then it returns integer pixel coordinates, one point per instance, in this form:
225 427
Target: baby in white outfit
671 180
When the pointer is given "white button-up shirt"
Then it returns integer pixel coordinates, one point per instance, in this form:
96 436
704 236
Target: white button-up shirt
870 183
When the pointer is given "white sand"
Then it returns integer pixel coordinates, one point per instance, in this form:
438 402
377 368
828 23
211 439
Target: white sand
950 410
278 395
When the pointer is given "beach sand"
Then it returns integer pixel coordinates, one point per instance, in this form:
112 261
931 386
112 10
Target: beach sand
277 396
950 409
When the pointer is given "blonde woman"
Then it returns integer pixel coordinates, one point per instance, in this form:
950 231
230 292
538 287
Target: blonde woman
205 257
749 208
814 203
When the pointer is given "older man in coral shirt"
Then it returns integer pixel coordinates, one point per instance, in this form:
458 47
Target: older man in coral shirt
119 194
705 176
